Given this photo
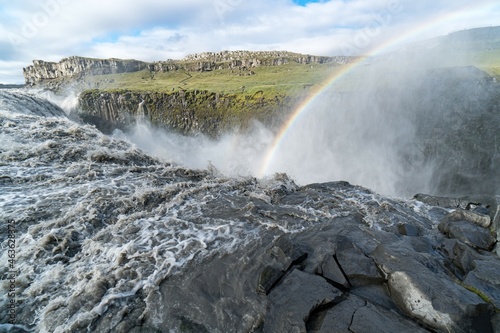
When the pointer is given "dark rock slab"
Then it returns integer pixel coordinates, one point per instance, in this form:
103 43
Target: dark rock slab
485 278
268 278
335 275
291 303
378 295
330 270
358 268
464 256
471 234
409 230
421 244
372 318
495 322
482 220
222 294
339 318
335 256
419 285
359 316
281 254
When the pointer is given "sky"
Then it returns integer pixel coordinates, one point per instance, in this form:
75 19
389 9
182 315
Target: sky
154 30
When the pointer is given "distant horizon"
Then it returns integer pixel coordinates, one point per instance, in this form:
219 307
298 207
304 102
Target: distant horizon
241 50
151 30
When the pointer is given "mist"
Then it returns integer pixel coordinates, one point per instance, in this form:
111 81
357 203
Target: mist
431 130
234 154
401 124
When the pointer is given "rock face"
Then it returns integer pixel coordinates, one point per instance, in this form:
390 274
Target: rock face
209 61
187 112
357 273
75 66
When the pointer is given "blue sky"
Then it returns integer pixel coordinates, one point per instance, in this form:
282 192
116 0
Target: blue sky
305 2
153 30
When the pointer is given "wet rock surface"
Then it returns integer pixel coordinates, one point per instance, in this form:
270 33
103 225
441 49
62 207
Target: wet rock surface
346 274
135 245
470 234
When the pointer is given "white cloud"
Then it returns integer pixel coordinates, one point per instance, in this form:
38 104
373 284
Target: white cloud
156 30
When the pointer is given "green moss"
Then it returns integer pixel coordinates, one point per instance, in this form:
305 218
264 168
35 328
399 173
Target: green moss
268 81
478 292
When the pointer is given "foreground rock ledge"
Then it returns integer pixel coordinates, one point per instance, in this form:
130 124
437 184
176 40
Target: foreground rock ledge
355 262
383 267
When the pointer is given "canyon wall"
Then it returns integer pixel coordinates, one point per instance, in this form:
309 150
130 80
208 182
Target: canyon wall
187 112
75 67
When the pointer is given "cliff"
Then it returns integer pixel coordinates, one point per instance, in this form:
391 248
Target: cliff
188 112
74 67
209 61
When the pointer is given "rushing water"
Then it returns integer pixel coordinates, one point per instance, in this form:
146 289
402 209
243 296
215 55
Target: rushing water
91 210
97 221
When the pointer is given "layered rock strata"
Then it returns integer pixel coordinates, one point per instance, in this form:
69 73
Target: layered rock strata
187 112
379 266
73 67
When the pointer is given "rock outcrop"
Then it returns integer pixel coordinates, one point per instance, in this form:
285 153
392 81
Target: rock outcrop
356 273
209 61
73 67
187 112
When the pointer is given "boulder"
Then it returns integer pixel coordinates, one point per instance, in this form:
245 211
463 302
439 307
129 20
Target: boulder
471 234
292 302
420 287
464 256
359 316
482 220
445 202
358 268
491 203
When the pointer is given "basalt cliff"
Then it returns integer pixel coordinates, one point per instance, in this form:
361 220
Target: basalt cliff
183 108
186 112
42 72
73 67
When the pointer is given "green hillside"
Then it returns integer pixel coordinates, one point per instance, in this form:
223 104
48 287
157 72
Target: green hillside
288 79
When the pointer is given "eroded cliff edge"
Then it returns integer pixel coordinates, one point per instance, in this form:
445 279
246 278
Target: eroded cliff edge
178 106
188 112
42 72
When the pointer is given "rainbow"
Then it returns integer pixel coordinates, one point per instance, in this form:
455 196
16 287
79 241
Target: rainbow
459 15
299 110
